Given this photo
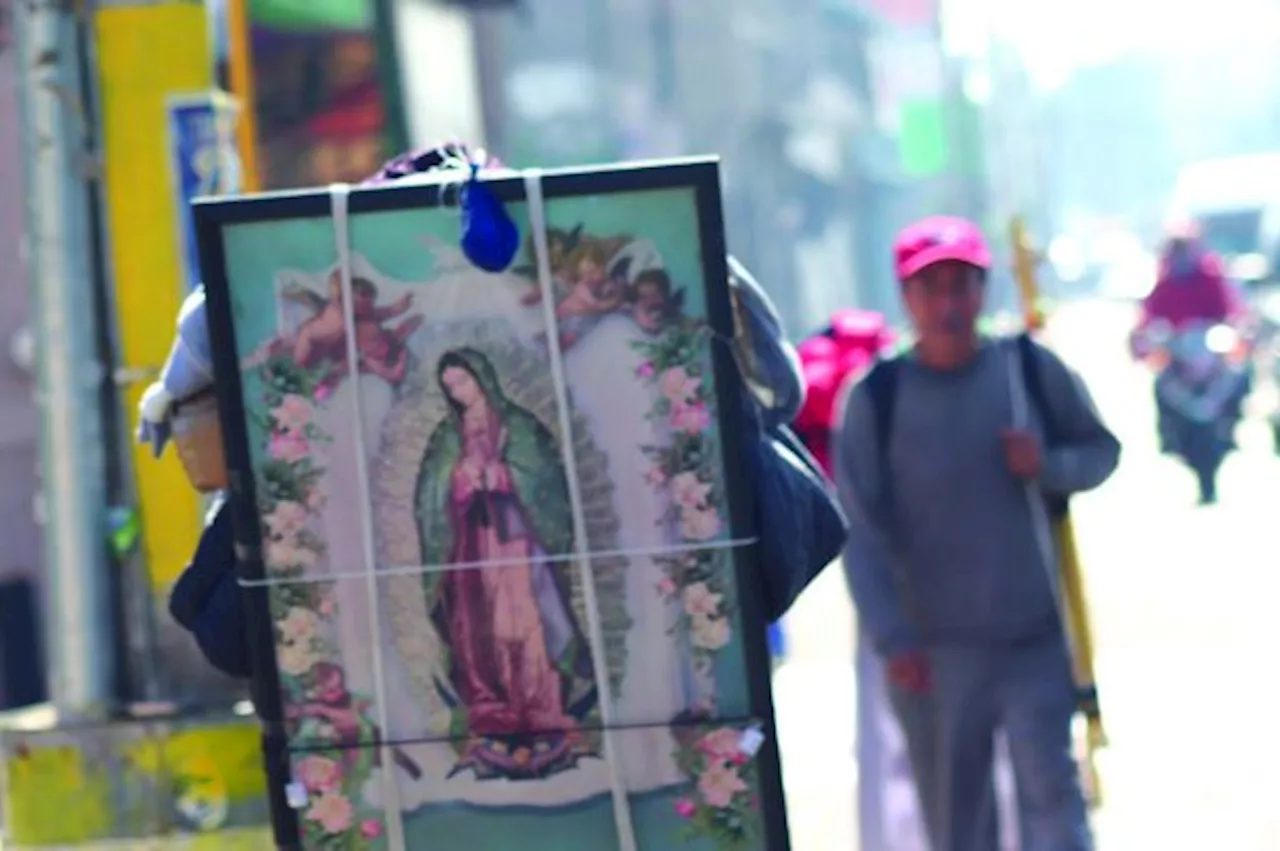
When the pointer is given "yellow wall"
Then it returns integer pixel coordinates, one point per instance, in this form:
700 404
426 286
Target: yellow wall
147 53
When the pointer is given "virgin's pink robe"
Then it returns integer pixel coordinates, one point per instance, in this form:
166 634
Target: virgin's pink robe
503 671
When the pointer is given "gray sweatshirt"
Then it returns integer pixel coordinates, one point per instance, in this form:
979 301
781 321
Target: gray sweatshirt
942 546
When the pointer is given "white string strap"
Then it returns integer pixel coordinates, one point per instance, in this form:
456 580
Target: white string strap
1040 523
548 558
538 230
339 194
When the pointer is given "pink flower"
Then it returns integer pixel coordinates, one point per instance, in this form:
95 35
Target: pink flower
293 413
667 587
719 783
288 448
327 607
371 828
688 490
721 744
699 599
700 524
323 392
298 625
686 808
691 419
333 812
709 633
656 476
320 774
678 386
645 370
287 519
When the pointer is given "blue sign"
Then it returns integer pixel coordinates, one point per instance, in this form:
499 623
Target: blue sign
204 162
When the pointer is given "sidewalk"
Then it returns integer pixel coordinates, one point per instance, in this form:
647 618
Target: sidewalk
814 698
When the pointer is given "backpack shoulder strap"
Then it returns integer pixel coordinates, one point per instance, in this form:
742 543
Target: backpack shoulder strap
882 387
1029 361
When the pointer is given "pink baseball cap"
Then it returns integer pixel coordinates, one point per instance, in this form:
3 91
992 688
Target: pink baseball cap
936 240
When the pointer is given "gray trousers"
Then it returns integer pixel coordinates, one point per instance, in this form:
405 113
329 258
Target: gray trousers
1024 690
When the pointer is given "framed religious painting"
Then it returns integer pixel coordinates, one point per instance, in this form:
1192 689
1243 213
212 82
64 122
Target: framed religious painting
496 544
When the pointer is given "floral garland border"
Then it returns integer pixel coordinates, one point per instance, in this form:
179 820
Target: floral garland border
723 802
289 499
687 467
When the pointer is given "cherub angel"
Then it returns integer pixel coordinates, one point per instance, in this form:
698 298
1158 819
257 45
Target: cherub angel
560 246
593 292
653 300
322 339
330 701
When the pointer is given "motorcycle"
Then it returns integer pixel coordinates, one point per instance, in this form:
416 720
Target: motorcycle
1201 385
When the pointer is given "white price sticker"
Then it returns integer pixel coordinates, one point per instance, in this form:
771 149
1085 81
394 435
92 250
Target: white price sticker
296 794
751 741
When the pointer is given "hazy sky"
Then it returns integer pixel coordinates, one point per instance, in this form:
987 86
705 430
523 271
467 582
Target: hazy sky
1058 36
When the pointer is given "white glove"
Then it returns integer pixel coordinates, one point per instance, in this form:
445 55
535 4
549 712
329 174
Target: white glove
153 414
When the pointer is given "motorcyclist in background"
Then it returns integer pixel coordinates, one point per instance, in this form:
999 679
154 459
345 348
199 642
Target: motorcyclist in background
1191 289
1191 285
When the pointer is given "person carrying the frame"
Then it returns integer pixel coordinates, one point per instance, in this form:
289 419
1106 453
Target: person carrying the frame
801 527
947 557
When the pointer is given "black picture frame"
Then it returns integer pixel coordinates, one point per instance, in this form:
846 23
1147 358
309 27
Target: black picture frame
700 174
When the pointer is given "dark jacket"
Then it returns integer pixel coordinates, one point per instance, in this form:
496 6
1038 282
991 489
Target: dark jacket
209 602
206 600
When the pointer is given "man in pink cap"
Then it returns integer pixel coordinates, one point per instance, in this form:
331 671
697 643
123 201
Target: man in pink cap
948 491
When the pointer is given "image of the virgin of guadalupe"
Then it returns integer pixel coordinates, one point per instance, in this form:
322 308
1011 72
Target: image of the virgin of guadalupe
492 498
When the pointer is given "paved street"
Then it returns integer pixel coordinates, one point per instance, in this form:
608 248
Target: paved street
1184 609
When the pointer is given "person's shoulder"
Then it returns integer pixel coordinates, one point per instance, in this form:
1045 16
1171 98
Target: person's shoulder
883 370
1055 373
875 385
1044 354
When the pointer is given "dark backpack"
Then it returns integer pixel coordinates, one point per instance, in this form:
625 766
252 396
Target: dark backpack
882 387
802 529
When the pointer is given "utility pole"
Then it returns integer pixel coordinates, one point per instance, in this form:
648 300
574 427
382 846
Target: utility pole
80 639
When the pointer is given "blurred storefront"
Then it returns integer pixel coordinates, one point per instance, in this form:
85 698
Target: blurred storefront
334 87
575 80
826 150
321 94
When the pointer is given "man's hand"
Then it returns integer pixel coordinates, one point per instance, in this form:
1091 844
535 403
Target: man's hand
1021 453
911 671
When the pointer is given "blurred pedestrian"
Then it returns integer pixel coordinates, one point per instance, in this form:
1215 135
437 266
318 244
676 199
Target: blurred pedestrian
945 556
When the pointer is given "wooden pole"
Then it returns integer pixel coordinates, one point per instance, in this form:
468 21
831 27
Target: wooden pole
1075 604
